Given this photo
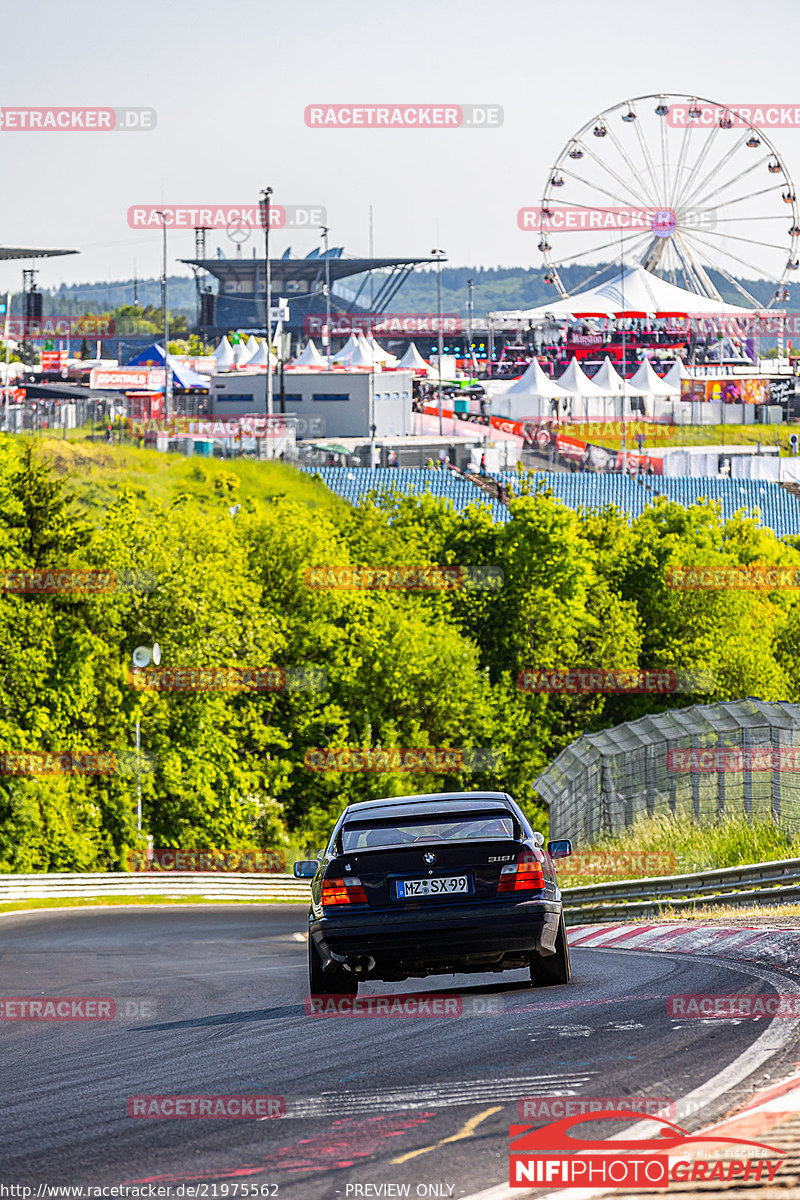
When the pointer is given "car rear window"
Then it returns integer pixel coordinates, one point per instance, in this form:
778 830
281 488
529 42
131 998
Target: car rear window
364 835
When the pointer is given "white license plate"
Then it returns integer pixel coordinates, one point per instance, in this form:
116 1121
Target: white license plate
445 885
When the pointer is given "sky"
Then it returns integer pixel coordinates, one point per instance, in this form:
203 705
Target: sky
230 85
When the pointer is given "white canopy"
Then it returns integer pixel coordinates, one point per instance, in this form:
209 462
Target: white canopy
576 382
535 383
310 357
645 382
259 359
608 380
224 355
384 357
635 292
241 354
252 343
413 359
343 356
361 355
675 374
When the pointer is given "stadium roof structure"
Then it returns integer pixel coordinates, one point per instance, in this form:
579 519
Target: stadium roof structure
309 268
603 781
12 252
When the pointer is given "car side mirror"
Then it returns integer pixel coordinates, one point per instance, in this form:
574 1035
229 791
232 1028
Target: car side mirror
305 868
538 839
559 849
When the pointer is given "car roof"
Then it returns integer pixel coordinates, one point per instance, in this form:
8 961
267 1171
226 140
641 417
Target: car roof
431 802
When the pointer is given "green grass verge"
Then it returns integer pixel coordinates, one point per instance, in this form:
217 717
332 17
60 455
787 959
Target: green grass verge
94 473
732 842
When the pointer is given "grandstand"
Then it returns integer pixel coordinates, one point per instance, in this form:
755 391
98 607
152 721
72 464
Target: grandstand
779 509
355 483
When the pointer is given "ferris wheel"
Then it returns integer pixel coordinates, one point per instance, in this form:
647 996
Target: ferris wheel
712 199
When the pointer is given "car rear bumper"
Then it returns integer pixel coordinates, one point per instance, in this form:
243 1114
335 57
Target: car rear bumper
427 938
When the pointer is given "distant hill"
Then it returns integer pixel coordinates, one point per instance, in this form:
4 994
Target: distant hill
494 288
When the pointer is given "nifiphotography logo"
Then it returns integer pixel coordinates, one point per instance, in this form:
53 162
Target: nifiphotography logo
549 1155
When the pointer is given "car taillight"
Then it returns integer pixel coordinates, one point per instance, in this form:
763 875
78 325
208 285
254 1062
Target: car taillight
343 891
524 875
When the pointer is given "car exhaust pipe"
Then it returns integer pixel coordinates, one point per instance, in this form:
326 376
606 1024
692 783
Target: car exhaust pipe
361 965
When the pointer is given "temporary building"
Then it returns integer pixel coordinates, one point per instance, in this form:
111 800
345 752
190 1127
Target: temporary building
645 382
259 359
536 383
310 357
384 357
342 357
224 355
675 374
634 292
413 359
252 344
609 380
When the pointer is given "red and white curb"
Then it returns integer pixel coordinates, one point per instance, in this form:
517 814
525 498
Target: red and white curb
769 947
760 947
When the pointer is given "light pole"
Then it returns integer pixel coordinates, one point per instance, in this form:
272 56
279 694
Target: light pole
141 658
167 372
267 192
439 255
324 236
624 365
470 286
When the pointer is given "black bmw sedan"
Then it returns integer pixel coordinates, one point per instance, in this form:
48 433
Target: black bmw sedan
431 885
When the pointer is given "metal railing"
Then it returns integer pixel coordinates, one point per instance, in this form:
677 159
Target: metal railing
208 886
775 882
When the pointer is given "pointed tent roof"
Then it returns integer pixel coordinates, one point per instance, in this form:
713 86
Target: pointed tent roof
380 355
413 359
635 292
343 356
153 356
535 383
310 357
224 355
675 374
361 355
645 382
241 354
608 379
252 343
577 382
259 359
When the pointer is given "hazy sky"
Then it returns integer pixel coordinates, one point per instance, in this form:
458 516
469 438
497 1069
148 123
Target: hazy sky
230 84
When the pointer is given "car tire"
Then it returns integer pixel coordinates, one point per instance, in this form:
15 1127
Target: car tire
333 982
555 968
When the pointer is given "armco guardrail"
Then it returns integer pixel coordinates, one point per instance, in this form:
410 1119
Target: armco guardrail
209 885
775 882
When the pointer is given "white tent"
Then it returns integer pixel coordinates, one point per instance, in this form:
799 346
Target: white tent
342 357
577 382
536 383
361 355
413 359
241 354
310 357
635 292
609 380
675 374
259 359
645 382
252 344
384 357
224 355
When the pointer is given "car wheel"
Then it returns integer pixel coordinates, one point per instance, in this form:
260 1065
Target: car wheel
555 968
333 982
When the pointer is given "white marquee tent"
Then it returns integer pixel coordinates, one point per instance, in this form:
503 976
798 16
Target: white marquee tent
675 374
310 357
224 355
609 380
645 382
635 292
413 359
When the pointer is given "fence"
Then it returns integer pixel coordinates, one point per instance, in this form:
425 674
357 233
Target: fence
604 781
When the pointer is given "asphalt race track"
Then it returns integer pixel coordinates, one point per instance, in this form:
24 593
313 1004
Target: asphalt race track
216 1002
